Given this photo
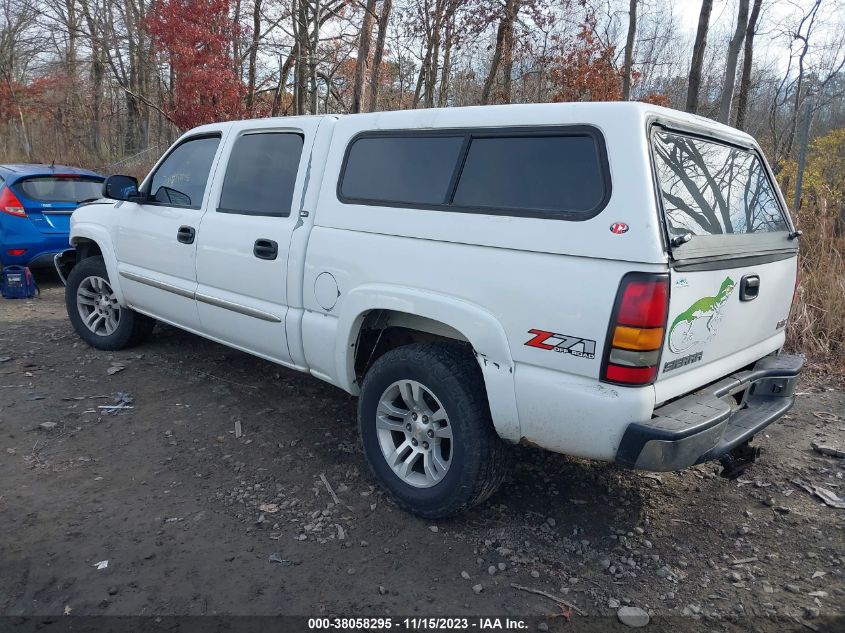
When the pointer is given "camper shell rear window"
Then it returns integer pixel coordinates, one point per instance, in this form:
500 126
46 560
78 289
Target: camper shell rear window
716 197
545 172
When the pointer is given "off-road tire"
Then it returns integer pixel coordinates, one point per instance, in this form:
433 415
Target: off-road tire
132 327
479 459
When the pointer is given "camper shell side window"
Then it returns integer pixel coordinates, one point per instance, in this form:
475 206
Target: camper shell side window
554 172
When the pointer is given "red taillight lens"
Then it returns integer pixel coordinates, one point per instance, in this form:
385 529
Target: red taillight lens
637 328
631 375
10 204
644 304
16 252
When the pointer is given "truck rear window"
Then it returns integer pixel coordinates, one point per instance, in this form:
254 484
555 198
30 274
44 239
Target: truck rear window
710 188
542 172
73 189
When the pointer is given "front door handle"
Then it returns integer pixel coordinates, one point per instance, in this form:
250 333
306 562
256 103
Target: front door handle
749 287
265 249
186 234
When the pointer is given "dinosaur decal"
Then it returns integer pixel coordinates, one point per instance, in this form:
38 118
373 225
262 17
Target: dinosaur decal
699 322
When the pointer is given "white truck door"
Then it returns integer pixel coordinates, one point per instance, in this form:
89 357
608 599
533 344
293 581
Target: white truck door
244 244
155 241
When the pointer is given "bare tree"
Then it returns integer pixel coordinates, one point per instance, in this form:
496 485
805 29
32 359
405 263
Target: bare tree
747 65
502 54
378 53
730 65
629 50
698 55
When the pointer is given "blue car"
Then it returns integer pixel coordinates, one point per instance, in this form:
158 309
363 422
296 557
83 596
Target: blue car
36 202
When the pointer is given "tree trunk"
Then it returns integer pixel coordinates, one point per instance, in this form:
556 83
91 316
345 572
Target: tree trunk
97 76
507 54
301 71
253 55
730 66
284 70
434 58
747 62
504 35
443 95
421 78
363 56
312 60
378 54
629 51
698 55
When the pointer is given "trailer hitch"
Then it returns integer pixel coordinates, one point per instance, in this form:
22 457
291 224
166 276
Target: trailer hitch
738 459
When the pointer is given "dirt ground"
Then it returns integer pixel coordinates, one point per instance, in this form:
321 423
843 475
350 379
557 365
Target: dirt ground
188 514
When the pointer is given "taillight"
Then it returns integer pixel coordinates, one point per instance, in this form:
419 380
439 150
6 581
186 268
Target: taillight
637 328
10 204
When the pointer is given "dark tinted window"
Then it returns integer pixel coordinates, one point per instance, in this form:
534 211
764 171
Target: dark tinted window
710 189
180 180
261 174
543 173
411 169
61 188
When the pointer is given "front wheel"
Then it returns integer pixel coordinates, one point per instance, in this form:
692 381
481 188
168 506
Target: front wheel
426 430
95 313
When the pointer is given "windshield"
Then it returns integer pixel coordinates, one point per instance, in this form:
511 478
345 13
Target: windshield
73 189
713 189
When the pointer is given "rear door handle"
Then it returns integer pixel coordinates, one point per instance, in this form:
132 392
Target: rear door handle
186 234
749 287
265 249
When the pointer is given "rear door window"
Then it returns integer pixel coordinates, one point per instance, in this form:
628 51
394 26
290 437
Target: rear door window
68 189
261 174
709 188
181 179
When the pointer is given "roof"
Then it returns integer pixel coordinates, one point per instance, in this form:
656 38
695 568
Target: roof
19 170
599 113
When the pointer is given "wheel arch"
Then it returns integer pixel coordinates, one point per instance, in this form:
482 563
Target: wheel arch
436 316
93 241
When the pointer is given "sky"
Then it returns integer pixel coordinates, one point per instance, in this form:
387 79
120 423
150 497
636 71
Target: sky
777 17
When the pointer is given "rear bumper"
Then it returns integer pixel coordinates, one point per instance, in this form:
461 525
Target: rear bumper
705 425
39 248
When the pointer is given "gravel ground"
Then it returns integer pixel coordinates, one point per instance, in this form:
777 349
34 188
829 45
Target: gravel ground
234 486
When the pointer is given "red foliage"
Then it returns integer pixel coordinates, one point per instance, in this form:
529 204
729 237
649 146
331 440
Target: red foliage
40 97
10 99
656 98
585 71
196 36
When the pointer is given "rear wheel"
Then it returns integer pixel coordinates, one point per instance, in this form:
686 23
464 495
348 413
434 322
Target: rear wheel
95 313
426 429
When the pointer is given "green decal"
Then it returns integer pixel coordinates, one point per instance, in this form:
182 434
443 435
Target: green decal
685 331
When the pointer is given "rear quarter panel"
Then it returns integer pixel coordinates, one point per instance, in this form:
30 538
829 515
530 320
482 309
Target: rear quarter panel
552 282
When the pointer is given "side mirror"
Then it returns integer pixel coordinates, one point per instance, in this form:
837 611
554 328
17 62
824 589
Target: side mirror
119 187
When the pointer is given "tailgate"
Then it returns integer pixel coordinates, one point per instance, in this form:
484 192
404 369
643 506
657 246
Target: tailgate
717 318
734 259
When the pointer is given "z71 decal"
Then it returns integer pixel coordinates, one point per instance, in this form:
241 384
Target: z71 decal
562 343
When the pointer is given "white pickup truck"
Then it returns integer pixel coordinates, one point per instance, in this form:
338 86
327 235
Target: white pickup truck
605 280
